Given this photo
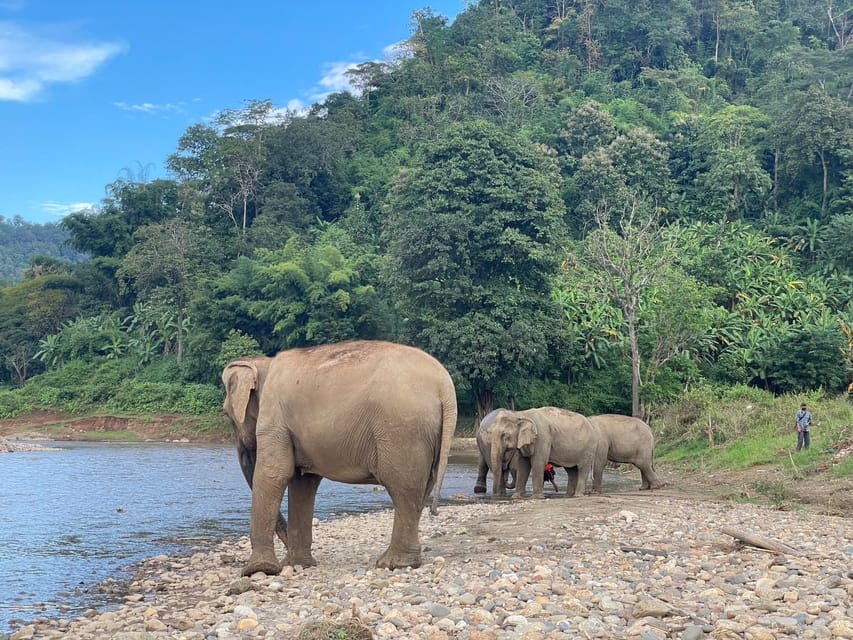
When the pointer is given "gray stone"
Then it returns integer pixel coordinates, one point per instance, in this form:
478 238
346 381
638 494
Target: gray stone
692 632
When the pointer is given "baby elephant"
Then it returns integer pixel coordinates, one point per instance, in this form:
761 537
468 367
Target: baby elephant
626 440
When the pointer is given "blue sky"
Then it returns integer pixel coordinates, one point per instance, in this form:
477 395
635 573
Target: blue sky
92 89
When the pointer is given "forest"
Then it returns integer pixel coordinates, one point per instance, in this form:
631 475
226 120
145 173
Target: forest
596 205
25 245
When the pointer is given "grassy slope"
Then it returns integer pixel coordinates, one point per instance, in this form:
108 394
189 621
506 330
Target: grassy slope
743 440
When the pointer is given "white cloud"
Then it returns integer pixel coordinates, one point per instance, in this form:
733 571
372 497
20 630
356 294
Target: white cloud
62 209
149 107
335 78
30 62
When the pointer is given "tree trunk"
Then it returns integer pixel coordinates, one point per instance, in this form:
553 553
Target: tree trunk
636 410
180 334
717 42
776 179
823 164
485 404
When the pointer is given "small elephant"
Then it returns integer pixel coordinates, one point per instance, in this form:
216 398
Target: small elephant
361 412
628 440
484 445
547 434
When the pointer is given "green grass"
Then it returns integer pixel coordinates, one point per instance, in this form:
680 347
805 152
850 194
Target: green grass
741 430
843 469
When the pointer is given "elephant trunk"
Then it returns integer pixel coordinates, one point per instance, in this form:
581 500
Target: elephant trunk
247 457
510 481
497 465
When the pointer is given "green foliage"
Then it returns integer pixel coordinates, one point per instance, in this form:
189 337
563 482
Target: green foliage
116 385
432 207
12 404
237 345
139 397
807 358
26 247
473 237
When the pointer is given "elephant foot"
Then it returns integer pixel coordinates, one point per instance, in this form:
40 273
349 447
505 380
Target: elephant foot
653 485
479 488
397 560
262 562
301 559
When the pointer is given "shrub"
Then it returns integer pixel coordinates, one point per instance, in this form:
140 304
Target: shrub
201 398
13 403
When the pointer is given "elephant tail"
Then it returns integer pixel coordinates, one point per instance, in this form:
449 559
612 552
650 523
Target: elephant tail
448 427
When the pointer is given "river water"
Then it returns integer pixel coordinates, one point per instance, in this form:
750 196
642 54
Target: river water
73 518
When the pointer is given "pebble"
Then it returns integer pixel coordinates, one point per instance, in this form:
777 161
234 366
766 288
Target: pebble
680 578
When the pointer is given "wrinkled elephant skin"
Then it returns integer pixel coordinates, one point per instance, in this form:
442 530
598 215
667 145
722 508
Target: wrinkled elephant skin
628 440
547 434
484 446
360 412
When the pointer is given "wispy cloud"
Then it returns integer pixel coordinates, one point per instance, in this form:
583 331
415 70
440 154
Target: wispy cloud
29 62
335 79
150 108
62 209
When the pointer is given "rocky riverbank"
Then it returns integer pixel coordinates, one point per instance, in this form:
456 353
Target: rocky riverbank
648 565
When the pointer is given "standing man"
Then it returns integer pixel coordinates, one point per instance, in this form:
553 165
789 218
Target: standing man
803 420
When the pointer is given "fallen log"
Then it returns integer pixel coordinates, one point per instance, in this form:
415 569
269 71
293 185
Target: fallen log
761 542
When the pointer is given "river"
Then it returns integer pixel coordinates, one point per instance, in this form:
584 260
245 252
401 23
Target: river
74 518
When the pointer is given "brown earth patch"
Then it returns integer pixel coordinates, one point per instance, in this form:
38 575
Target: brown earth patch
47 425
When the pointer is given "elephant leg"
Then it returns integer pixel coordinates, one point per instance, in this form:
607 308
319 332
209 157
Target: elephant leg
572 482
521 476
598 474
583 474
482 471
405 547
537 468
650 480
407 489
301 492
272 472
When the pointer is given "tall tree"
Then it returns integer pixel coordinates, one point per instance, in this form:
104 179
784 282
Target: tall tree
474 231
819 127
163 266
626 254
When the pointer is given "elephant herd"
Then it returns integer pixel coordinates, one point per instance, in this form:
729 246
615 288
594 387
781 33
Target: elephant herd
517 444
374 412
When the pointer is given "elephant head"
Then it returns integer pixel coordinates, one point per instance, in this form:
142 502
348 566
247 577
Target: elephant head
244 381
512 434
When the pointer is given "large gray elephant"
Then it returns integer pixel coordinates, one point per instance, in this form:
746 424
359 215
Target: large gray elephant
362 412
547 434
484 445
624 439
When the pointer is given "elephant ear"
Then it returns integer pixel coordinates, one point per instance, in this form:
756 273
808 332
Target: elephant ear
240 379
527 433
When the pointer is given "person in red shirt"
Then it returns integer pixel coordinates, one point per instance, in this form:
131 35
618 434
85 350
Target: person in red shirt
549 476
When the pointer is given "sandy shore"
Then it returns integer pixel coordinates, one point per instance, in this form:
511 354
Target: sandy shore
650 565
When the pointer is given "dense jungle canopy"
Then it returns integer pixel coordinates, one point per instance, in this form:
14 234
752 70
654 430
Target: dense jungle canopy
594 204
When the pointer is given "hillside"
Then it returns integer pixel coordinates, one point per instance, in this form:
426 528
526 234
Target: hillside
21 241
